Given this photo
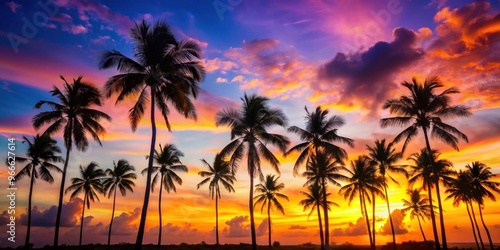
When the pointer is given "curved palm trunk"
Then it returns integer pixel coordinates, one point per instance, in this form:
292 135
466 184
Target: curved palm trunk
216 220
32 181
269 221
61 189
390 217
81 220
472 224
477 227
421 230
433 218
373 219
140 232
363 206
436 180
159 210
250 204
325 212
322 241
112 217
484 225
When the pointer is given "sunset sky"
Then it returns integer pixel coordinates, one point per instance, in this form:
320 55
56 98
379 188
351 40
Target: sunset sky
347 56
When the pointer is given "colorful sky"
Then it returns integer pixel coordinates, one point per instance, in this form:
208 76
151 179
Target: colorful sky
347 56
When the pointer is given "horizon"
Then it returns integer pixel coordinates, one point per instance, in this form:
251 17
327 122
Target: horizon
348 58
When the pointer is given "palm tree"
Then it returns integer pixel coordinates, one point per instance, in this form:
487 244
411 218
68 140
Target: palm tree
218 172
40 158
166 71
121 177
314 200
461 191
90 184
424 109
320 134
75 116
418 206
480 175
268 194
362 182
385 158
249 132
168 159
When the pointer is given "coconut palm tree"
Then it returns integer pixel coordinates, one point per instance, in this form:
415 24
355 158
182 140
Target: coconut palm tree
168 160
121 177
418 206
362 182
314 201
461 191
90 184
268 194
320 134
218 173
424 109
385 158
250 137
40 159
166 71
483 188
75 116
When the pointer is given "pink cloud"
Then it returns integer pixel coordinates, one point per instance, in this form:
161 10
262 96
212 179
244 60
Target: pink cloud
77 29
100 40
13 6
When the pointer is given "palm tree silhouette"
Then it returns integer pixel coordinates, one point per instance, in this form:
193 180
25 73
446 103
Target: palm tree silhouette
40 158
362 182
424 109
268 194
314 200
166 71
418 206
90 184
218 172
249 132
320 134
168 159
75 116
385 157
483 188
121 177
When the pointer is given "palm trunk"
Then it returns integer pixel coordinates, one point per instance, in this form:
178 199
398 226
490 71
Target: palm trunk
477 227
363 206
472 225
216 220
436 179
433 218
373 219
159 210
112 217
32 181
322 241
484 225
325 212
61 189
140 232
269 221
81 220
421 230
250 204
390 217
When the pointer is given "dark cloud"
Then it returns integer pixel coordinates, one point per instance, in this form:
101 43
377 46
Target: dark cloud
366 78
4 217
123 224
352 229
297 227
70 215
239 227
397 220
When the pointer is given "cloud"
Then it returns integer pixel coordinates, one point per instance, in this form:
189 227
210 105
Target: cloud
237 228
77 29
218 64
398 222
352 229
366 78
100 40
4 218
221 80
238 78
125 223
297 227
70 215
13 6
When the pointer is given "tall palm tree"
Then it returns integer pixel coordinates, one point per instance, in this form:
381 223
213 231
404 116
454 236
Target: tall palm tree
268 194
167 71
218 172
90 184
168 160
385 157
424 109
76 117
320 134
362 182
461 191
249 134
418 206
483 188
121 177
314 201
40 158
